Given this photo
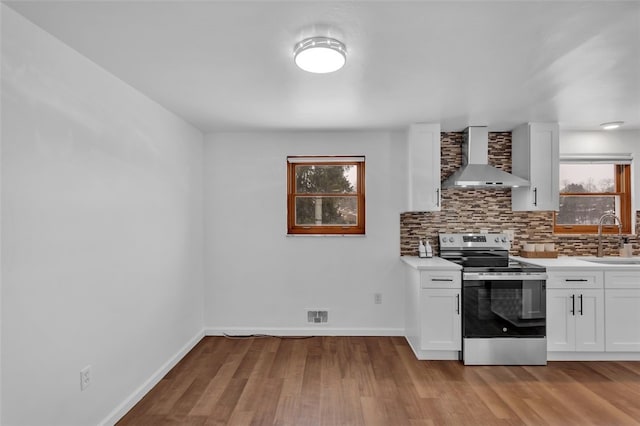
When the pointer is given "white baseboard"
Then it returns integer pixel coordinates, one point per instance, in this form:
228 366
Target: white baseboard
319 330
593 356
139 393
431 355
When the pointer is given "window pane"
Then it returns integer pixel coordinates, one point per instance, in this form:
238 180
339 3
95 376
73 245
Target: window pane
587 177
585 210
324 211
326 179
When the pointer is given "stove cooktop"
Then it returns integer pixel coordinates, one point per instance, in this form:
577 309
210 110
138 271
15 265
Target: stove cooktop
512 267
483 252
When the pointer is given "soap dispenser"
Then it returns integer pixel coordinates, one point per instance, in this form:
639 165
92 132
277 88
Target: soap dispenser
428 249
422 251
626 249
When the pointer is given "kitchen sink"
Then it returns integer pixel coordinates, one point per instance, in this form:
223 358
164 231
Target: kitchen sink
615 261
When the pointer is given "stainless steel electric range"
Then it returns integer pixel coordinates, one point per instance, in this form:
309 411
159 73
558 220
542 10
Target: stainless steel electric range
503 301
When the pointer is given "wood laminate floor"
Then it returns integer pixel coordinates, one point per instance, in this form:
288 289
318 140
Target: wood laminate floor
378 381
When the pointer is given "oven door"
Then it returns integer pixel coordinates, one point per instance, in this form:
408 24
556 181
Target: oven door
503 305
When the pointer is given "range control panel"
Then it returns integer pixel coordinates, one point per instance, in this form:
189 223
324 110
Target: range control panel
474 241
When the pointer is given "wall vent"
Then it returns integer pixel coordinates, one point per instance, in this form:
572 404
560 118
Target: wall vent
317 317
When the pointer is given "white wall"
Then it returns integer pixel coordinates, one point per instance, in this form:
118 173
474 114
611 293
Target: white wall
1 262
260 280
102 233
607 142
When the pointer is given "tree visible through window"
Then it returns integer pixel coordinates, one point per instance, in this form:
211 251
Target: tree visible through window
587 191
325 195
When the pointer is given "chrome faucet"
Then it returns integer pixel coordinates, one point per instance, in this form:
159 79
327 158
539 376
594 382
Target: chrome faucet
602 218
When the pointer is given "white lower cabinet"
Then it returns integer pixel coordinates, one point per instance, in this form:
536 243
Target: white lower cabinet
622 311
575 311
575 320
433 313
441 328
593 314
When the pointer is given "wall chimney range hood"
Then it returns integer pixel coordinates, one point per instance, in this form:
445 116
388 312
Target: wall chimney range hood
476 171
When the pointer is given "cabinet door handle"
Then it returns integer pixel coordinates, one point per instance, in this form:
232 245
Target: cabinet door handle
573 304
458 304
579 280
437 197
535 196
580 304
442 279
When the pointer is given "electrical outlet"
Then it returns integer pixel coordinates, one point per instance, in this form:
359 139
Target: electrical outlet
85 377
377 298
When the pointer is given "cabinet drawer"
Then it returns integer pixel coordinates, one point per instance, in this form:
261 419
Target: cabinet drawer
575 279
440 279
622 279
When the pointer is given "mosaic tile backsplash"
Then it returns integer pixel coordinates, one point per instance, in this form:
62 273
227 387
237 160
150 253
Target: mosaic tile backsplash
470 210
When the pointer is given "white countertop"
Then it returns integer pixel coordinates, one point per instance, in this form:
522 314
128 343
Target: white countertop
561 263
431 263
570 262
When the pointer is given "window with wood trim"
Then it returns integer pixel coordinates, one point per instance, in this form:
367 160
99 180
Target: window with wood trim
587 191
325 195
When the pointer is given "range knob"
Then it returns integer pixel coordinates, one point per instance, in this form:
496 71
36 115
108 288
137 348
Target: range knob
504 239
497 239
450 239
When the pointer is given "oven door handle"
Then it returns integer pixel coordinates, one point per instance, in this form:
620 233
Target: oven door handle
474 276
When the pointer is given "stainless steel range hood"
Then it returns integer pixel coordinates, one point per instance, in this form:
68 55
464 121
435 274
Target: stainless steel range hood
476 171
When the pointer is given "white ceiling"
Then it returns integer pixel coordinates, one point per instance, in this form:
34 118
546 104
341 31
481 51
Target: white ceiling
228 65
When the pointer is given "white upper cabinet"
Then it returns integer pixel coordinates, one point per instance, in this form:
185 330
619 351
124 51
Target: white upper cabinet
535 157
424 167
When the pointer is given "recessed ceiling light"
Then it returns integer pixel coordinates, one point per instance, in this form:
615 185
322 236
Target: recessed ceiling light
320 55
611 125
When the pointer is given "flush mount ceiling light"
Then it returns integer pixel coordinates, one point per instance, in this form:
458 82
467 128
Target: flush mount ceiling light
320 55
611 125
